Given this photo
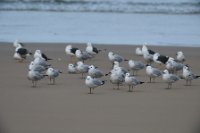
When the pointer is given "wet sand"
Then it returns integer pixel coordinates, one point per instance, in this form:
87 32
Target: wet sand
67 106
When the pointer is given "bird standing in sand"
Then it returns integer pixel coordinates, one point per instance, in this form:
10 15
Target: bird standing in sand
53 74
91 49
72 69
93 83
180 56
69 50
39 53
153 72
135 66
188 75
35 76
82 68
131 81
115 57
169 78
94 72
20 52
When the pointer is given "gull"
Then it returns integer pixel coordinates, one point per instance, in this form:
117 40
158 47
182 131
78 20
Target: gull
72 69
135 65
123 69
160 59
52 74
131 81
16 56
138 51
93 83
36 67
148 58
146 50
69 50
180 56
94 72
115 57
173 66
91 49
20 52
41 61
117 77
188 75
169 78
16 44
34 76
38 53
147 54
82 55
153 72
82 68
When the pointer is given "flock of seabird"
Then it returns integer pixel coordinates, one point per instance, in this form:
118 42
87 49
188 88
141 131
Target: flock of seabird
118 75
39 67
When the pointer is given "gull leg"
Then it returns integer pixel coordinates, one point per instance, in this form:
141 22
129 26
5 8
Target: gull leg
32 83
49 80
170 85
136 73
190 82
117 86
129 88
133 87
113 87
54 81
133 72
90 91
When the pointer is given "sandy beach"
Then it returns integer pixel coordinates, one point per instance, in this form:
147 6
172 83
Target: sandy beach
68 108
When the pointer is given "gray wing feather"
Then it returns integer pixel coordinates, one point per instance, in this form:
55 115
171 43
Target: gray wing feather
174 77
156 72
97 82
118 58
139 65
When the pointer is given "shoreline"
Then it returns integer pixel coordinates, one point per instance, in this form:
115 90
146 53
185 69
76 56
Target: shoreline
104 44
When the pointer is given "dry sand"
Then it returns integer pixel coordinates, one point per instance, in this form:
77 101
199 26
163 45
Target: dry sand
68 108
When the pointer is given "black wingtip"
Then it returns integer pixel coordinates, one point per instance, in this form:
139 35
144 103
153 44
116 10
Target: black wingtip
49 59
142 82
107 74
197 76
103 82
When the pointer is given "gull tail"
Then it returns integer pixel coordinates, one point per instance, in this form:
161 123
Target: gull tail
60 72
181 77
49 59
107 74
103 82
197 77
141 82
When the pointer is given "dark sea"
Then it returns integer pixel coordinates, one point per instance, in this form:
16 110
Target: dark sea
131 22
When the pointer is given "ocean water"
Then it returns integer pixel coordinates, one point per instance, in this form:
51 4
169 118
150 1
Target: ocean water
156 22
